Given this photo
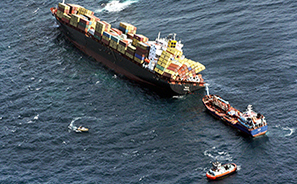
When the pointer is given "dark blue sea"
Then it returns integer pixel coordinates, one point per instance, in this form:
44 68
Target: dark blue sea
249 49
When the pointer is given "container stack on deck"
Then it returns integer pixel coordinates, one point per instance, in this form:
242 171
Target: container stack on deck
62 9
164 57
114 41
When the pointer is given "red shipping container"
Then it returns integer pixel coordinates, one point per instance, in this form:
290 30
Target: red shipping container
130 36
172 68
174 65
124 43
142 50
119 32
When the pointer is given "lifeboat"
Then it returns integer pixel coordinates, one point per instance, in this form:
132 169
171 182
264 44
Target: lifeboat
220 171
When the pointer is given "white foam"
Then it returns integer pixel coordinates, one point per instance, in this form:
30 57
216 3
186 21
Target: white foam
292 130
116 6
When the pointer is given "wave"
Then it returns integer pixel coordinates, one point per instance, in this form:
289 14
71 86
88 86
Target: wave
280 131
116 6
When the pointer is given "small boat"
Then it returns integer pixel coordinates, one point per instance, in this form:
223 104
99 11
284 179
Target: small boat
220 171
81 129
77 129
249 121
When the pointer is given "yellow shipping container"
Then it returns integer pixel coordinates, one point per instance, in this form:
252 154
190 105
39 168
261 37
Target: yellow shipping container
129 55
84 11
105 37
100 27
174 51
113 44
169 71
165 58
163 64
158 71
64 6
138 60
66 16
165 53
122 48
75 17
124 25
60 14
172 43
135 42
132 48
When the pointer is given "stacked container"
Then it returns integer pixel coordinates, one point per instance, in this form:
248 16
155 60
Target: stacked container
117 31
122 47
130 52
74 20
100 28
93 19
84 11
127 28
114 41
73 8
138 38
66 18
163 62
62 9
106 36
176 53
142 51
84 24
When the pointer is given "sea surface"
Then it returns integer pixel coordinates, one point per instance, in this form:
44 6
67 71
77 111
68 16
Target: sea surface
249 49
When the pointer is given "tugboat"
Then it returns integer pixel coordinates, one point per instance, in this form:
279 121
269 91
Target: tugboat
249 122
220 171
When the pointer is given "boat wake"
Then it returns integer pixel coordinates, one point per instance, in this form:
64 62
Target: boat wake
217 155
281 131
116 6
71 126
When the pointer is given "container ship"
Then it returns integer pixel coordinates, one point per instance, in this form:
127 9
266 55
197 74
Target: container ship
159 64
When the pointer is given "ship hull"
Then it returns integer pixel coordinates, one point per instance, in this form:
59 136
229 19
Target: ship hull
235 123
120 63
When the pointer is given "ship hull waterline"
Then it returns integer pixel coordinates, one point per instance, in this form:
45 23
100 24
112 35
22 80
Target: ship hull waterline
121 65
253 133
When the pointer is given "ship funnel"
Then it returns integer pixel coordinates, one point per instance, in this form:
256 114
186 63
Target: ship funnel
207 90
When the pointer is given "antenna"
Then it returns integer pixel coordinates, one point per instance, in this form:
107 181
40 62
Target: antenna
207 90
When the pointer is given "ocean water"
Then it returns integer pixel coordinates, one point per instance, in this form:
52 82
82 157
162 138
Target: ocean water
137 136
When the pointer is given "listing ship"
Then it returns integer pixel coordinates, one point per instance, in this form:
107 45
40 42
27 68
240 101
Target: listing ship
159 64
249 122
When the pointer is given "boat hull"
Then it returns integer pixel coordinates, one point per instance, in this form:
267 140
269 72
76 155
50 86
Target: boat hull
121 64
223 175
235 123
